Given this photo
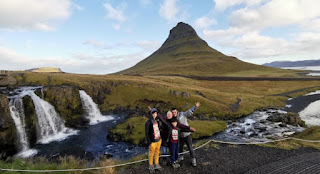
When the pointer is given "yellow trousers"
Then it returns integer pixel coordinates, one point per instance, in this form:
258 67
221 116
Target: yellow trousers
154 151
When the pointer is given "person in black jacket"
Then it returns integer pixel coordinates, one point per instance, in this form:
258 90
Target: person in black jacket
153 138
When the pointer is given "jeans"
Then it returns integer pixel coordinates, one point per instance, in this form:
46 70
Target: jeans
164 150
174 152
188 141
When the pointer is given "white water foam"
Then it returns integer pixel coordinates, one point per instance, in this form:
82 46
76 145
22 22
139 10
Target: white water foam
313 74
313 93
92 111
311 114
26 154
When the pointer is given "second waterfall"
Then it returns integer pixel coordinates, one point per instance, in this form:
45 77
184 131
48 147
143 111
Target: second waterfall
92 111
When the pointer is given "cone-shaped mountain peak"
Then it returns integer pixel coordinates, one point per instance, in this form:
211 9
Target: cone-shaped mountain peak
181 30
185 53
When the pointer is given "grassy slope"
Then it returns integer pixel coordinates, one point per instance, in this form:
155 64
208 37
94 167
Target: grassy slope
133 91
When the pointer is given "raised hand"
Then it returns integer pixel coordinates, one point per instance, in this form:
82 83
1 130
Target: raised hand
197 104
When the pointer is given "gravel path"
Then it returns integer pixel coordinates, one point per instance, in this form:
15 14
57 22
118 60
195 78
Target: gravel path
305 163
222 158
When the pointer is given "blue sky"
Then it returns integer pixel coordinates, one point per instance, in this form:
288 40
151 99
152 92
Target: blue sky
105 36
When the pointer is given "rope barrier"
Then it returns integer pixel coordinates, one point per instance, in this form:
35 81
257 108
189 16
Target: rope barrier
139 161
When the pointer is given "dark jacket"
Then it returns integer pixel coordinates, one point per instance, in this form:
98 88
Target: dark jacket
149 127
165 129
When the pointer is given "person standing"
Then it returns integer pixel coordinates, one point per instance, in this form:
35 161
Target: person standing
153 139
174 141
186 137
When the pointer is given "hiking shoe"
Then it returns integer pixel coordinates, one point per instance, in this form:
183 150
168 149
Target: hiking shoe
151 168
194 162
158 167
181 158
175 165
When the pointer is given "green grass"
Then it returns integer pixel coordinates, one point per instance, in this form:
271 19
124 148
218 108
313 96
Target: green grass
206 128
43 164
137 135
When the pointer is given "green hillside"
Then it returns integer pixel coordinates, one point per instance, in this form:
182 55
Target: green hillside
185 53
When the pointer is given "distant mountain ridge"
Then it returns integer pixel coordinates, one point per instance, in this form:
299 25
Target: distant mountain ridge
301 63
185 53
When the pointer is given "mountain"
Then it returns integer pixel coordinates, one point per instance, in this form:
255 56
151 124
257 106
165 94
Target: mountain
185 53
46 69
301 63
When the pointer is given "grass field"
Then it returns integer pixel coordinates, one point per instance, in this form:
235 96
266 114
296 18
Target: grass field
165 92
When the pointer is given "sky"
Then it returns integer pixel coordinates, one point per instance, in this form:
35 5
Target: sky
106 36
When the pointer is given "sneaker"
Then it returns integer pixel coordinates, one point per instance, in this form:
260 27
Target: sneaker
175 165
181 158
158 167
178 165
194 162
151 168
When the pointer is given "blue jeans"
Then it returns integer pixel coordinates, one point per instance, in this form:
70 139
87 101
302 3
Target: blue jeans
164 150
174 152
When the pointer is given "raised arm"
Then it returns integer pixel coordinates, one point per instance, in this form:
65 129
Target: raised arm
191 110
163 120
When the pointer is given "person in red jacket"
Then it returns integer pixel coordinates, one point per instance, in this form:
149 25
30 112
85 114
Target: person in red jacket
174 141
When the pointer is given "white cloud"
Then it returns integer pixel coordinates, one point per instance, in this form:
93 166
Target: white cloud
78 63
312 25
276 13
33 14
222 5
204 22
169 10
244 39
116 13
95 43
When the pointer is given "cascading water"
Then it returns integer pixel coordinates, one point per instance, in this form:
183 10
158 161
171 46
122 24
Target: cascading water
91 109
17 114
50 127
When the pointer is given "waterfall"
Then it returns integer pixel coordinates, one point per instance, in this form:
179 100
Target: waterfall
50 127
92 111
17 114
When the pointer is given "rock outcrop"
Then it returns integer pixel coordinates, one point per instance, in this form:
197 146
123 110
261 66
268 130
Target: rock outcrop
7 128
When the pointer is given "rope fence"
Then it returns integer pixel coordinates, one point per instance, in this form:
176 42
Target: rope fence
143 160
